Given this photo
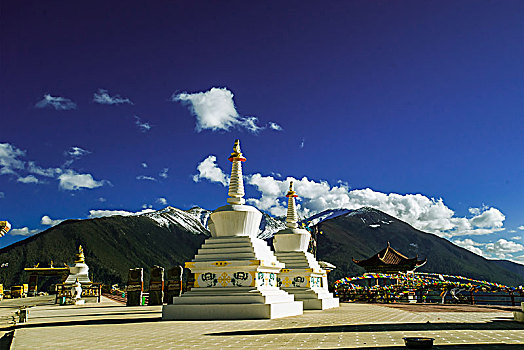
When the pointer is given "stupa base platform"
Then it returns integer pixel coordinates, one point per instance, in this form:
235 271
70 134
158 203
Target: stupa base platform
231 311
320 304
314 300
232 303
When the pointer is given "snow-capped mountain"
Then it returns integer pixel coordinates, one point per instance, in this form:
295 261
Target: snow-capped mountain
369 216
270 225
189 220
196 220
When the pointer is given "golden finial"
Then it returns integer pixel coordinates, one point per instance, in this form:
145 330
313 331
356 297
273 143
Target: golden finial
237 154
51 263
5 226
80 256
291 193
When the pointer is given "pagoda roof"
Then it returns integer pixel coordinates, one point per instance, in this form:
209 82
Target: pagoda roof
389 258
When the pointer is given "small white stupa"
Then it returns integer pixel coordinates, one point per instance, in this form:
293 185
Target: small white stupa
76 293
80 271
303 277
235 272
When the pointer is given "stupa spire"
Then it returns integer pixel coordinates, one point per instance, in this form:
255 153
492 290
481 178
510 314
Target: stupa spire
80 256
236 183
292 216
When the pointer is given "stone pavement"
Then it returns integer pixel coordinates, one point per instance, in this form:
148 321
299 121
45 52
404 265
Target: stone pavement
110 325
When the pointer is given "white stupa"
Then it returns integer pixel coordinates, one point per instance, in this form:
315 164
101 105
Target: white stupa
79 271
235 272
303 277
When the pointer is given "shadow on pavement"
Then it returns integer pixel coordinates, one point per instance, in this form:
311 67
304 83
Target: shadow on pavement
82 323
6 340
387 327
498 346
92 314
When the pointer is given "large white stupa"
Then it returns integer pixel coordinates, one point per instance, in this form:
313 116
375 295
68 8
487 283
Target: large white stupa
235 272
303 277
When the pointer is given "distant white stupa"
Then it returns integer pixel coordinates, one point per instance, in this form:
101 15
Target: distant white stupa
303 277
235 272
79 271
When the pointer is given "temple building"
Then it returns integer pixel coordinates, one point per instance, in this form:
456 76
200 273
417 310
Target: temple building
388 260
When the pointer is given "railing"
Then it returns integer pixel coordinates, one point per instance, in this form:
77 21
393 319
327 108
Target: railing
63 292
507 298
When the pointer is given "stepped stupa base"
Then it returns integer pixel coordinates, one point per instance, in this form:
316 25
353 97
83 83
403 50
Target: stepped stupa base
305 280
232 304
235 279
314 300
519 315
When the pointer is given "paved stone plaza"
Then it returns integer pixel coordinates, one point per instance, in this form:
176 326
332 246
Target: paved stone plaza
110 325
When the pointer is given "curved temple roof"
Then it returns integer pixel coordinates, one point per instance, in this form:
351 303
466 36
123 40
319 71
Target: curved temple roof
389 258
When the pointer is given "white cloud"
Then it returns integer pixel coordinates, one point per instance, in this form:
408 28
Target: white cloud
163 173
423 213
143 126
29 179
2 195
9 159
24 231
275 126
102 199
250 123
302 143
98 213
74 153
77 152
72 181
57 102
521 227
144 165
488 218
148 178
46 220
215 110
47 172
516 238
208 169
103 97
503 249
11 164
162 200
470 245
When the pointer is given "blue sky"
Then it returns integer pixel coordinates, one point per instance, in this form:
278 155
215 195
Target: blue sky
415 108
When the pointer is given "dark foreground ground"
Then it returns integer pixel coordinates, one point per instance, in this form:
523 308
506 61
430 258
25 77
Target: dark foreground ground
110 325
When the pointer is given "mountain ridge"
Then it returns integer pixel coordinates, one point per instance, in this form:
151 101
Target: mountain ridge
172 236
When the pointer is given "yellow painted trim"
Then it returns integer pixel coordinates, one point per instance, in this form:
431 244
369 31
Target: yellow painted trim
189 264
253 278
196 279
